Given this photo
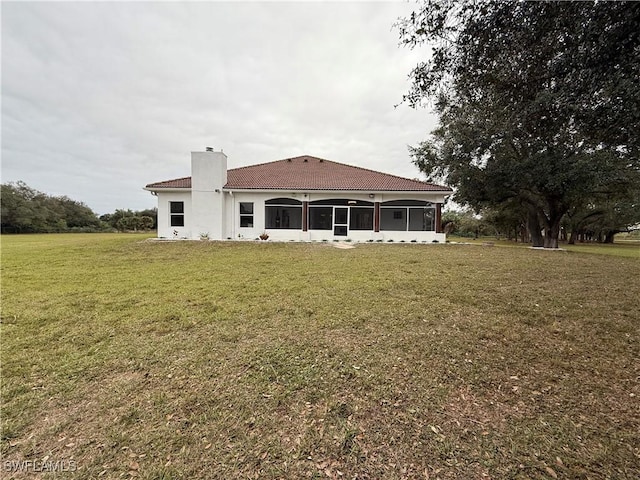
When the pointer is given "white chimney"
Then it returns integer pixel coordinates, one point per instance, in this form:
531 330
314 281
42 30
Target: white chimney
208 170
208 177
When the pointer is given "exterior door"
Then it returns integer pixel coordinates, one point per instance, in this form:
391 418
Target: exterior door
340 221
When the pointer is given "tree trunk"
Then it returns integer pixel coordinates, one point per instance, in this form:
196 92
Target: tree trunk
563 234
534 228
608 238
572 237
523 234
551 237
552 231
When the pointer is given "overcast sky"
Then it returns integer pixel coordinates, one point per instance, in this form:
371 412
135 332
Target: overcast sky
99 99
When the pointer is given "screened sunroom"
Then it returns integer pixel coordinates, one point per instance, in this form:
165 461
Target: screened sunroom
336 218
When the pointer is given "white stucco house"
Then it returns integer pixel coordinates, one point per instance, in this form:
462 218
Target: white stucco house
303 199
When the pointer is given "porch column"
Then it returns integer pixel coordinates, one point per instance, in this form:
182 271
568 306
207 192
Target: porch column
376 217
438 218
305 216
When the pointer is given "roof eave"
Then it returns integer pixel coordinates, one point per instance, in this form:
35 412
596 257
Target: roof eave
316 190
167 189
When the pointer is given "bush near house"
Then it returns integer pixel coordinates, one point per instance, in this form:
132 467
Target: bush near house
280 360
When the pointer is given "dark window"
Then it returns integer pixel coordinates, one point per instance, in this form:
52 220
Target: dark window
393 219
340 230
246 214
277 216
321 218
421 219
177 214
403 215
341 216
361 218
283 213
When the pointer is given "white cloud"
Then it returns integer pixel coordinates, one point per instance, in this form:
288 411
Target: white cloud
99 99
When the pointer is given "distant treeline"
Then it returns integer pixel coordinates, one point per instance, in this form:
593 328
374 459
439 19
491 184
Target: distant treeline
123 220
598 223
26 210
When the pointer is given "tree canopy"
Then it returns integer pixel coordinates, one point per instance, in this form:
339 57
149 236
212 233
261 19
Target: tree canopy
123 220
538 102
26 210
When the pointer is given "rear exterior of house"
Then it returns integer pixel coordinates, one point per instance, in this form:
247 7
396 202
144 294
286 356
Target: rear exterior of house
296 199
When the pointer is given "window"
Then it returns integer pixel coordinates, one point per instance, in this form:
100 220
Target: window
246 214
321 218
407 215
341 215
393 219
283 213
421 219
176 210
361 218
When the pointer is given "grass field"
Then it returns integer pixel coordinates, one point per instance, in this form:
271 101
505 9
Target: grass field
161 360
621 248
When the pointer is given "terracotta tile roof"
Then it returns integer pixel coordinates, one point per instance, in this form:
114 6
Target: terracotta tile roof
310 173
184 182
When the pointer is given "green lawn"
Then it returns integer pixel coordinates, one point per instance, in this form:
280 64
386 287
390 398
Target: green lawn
157 360
621 248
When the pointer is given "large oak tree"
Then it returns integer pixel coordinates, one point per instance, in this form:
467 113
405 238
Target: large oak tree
539 102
